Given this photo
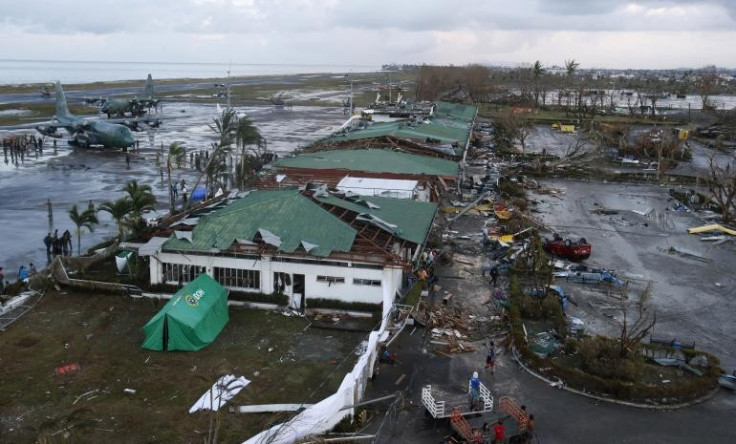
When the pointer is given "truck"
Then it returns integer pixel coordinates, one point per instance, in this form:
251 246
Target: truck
515 421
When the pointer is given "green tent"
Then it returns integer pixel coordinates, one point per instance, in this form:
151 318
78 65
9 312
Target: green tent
191 320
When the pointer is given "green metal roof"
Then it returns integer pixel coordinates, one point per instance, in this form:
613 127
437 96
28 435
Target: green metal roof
455 111
451 124
410 219
283 216
372 160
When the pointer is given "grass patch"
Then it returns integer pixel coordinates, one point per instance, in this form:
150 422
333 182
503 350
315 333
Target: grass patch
103 333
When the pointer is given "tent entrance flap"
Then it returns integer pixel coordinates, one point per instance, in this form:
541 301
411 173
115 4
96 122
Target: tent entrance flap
191 320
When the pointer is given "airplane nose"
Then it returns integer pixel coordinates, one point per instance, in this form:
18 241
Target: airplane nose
129 140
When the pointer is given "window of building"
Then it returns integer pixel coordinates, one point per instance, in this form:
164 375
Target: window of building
181 273
370 282
331 279
238 278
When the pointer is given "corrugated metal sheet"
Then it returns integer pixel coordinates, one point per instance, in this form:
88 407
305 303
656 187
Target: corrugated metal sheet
372 160
283 214
411 218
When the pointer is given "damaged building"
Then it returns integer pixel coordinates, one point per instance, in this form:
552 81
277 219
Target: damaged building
305 244
446 134
370 172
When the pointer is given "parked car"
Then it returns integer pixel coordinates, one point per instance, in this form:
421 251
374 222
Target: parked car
567 249
728 381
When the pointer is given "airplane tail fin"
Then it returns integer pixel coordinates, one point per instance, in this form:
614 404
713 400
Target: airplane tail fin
148 93
62 110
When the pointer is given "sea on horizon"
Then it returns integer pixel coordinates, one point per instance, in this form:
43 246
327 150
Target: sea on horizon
15 72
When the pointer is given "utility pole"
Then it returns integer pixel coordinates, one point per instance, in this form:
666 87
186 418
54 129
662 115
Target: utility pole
228 88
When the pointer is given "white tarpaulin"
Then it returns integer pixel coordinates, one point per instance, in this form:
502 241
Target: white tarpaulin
221 392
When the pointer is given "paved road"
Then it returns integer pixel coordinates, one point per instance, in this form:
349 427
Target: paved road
561 417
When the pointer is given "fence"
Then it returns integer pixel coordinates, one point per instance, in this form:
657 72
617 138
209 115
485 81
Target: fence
60 275
326 414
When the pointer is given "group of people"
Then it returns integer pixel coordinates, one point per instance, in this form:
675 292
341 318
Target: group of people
24 274
184 190
58 245
16 147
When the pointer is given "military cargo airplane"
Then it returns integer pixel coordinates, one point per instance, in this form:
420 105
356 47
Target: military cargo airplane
85 133
135 106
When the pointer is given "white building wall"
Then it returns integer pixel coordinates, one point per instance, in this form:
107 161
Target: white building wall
347 292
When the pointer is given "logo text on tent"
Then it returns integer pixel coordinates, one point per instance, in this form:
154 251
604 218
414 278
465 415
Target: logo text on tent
193 299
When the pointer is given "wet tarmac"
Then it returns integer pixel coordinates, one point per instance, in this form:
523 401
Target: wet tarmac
694 296
66 177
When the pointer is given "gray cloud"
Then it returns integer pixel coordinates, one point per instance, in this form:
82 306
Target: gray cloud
360 31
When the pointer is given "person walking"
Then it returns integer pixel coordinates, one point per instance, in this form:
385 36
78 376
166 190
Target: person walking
491 357
127 160
494 276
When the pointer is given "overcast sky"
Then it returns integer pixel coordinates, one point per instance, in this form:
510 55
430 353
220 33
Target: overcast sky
597 33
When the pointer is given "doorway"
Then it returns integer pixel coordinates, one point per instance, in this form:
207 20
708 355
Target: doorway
299 292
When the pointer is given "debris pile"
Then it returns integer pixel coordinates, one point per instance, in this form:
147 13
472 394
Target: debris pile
452 329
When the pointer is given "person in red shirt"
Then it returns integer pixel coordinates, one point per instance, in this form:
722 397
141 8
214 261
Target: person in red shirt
499 433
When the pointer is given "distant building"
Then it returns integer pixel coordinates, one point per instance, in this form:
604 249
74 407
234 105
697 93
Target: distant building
373 172
446 134
308 244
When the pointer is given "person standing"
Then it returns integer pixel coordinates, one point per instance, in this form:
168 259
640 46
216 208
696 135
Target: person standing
49 242
23 274
499 433
32 270
127 160
491 357
474 391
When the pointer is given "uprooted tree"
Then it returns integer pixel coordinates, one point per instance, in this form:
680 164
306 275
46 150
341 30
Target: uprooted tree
721 183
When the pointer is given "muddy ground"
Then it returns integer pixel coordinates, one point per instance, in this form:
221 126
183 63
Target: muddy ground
103 334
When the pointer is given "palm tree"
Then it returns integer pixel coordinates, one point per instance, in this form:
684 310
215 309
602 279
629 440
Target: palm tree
176 154
141 197
537 71
85 219
247 134
118 209
224 126
570 66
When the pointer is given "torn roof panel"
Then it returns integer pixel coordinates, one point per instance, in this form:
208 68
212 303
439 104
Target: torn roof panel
285 215
411 219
